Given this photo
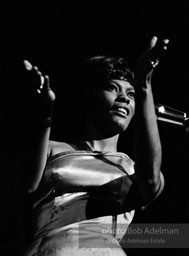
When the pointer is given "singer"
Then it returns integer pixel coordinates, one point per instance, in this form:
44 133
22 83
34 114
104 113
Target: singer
82 191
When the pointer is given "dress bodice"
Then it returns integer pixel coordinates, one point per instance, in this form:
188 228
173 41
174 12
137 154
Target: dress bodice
80 189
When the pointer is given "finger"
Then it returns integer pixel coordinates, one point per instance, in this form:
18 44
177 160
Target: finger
44 87
48 89
35 68
27 65
34 74
41 77
153 42
165 43
46 83
42 82
158 49
148 51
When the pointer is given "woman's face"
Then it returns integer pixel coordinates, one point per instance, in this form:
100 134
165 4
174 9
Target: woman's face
112 106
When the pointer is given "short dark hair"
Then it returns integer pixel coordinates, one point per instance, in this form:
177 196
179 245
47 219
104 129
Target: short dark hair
99 69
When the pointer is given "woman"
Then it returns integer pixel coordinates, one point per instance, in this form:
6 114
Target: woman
83 190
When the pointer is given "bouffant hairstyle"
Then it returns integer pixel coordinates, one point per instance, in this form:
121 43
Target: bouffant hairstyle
97 70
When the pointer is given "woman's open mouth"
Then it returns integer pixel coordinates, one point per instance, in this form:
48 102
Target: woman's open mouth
121 111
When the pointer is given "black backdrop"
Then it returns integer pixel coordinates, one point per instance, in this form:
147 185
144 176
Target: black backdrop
56 36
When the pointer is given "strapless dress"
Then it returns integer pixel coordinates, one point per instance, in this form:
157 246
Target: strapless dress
84 204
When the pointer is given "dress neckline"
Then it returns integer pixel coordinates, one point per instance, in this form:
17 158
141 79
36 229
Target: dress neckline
83 145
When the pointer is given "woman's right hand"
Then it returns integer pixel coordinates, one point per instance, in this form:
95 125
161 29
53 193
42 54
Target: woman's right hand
38 101
149 60
43 97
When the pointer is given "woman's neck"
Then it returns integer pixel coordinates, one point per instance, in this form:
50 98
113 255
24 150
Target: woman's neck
103 145
98 142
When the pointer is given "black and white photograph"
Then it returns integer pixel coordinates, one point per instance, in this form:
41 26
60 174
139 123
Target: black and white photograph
94 130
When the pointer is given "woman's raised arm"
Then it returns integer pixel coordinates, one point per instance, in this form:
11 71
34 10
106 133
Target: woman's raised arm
148 151
38 130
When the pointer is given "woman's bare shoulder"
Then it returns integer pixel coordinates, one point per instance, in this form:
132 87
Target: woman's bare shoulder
56 147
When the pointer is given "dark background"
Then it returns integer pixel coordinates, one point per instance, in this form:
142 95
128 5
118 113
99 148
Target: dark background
56 36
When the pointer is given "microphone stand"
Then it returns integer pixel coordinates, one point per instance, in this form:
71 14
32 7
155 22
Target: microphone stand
171 115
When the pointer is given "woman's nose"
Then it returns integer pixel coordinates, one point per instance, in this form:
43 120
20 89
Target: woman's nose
122 97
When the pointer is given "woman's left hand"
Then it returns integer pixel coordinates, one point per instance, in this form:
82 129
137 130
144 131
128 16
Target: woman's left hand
149 60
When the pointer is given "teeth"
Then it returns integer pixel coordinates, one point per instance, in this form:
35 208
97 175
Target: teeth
122 110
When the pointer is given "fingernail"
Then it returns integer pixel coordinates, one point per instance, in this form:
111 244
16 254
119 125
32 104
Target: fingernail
27 64
154 38
42 80
153 41
166 41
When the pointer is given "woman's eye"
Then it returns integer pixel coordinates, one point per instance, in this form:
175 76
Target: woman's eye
131 95
112 88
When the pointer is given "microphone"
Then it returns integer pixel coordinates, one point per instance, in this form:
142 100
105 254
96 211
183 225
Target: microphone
171 115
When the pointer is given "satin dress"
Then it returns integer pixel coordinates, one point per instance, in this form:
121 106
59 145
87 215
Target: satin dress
83 201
